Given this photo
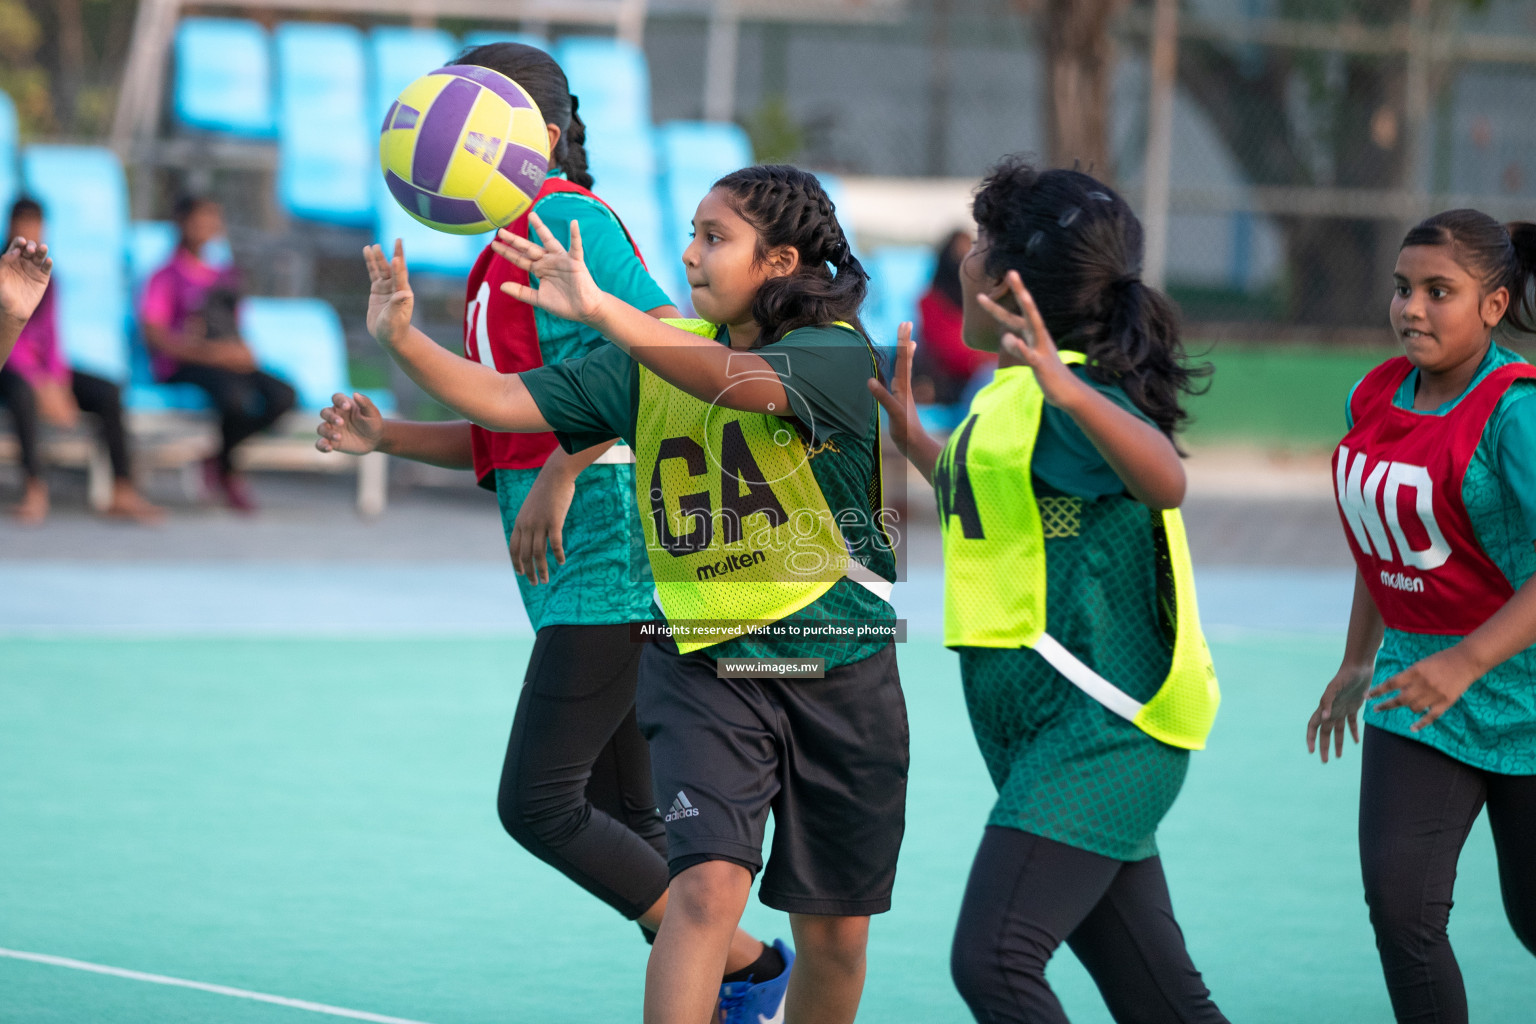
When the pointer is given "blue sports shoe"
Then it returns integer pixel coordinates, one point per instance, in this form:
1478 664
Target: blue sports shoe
742 1002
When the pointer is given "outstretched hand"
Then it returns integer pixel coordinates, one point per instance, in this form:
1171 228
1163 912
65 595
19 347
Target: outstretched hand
906 428
1026 342
353 425
897 401
390 299
1338 709
566 288
24 271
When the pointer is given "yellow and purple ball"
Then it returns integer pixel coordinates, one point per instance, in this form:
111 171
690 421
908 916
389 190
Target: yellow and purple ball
464 149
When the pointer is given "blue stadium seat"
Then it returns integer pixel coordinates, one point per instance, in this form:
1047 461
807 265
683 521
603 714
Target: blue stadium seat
327 142
619 157
301 341
638 205
150 245
899 275
9 183
85 198
224 76
694 155
400 56
489 35
610 78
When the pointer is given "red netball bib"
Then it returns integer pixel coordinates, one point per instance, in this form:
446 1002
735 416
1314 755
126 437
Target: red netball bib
500 332
1397 477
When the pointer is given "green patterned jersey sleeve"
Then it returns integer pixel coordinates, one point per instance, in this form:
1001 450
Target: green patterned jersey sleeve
1066 460
589 400
824 370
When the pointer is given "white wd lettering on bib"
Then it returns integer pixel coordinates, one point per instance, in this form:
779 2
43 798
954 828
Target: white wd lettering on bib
1362 497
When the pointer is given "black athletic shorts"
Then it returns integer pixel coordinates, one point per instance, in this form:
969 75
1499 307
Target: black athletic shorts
828 756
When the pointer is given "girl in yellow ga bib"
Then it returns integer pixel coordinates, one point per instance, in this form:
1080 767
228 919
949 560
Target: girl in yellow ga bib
756 447
1069 599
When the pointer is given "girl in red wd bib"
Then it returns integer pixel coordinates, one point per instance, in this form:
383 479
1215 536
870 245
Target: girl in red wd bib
1436 486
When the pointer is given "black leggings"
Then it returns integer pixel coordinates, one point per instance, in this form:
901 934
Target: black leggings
1416 807
95 395
248 403
576 784
1027 894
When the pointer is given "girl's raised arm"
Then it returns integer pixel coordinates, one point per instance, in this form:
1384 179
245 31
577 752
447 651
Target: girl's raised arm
496 401
705 369
1141 455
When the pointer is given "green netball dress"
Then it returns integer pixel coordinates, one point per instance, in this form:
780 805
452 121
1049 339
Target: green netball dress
1065 765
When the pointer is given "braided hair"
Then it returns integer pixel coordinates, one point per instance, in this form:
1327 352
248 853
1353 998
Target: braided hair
788 207
1078 247
543 79
1497 255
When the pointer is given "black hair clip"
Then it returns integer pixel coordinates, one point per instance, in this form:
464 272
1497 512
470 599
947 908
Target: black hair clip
1104 196
1033 243
1069 215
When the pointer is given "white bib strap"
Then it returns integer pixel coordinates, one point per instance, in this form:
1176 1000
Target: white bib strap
618 455
869 579
1086 679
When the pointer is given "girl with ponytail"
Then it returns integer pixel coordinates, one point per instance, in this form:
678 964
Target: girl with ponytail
757 481
1069 600
576 783
1436 484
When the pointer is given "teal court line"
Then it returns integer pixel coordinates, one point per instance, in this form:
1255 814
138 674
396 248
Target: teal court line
203 986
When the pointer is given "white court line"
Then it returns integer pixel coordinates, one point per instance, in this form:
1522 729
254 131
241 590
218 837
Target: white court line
222 990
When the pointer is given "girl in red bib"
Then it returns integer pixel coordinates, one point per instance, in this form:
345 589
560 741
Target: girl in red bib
1436 486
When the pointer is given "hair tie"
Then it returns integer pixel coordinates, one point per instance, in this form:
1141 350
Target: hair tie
575 103
1125 281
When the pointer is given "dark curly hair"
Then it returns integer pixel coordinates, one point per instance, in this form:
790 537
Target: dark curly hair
788 206
1498 255
1078 247
544 80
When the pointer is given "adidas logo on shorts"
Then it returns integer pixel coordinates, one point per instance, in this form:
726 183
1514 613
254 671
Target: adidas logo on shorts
681 808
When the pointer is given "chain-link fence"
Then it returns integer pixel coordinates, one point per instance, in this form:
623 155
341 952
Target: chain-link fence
1307 134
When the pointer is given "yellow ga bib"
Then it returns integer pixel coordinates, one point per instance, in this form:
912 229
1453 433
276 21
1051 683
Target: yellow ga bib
994 564
736 526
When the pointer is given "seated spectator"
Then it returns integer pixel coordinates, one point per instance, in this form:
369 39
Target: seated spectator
38 386
188 317
942 366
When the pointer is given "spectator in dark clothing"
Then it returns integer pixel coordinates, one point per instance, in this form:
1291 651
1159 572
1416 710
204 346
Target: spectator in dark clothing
38 386
188 317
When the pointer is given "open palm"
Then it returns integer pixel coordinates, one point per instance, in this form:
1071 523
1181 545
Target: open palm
352 425
24 271
390 299
566 288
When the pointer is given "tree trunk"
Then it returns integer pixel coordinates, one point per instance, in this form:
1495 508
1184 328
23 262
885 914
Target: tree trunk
1079 75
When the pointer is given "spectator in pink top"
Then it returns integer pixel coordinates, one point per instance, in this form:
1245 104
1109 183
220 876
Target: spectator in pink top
38 386
189 322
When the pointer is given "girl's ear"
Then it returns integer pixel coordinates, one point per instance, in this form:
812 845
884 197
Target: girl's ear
554 139
783 261
1493 306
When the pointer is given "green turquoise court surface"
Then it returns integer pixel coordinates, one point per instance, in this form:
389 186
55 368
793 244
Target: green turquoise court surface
299 813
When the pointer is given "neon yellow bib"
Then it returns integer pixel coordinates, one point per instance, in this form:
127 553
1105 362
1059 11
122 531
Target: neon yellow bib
736 526
992 520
